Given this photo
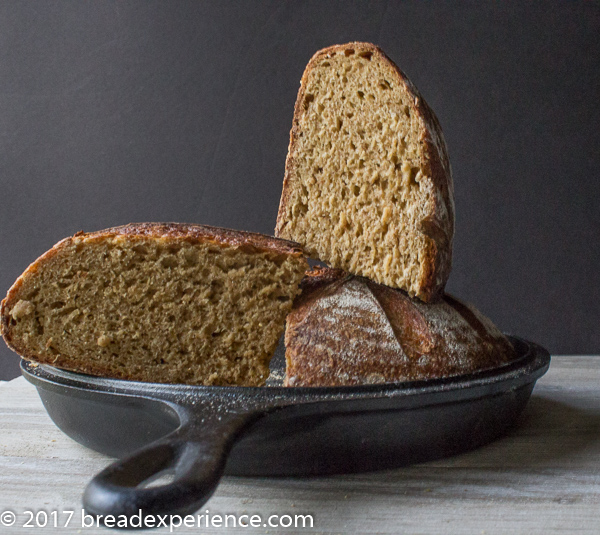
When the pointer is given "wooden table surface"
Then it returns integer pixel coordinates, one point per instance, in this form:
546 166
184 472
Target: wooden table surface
544 477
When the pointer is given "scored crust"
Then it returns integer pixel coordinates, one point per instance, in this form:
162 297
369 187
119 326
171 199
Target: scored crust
165 292
438 223
348 330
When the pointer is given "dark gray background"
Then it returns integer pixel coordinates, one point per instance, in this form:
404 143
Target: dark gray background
120 111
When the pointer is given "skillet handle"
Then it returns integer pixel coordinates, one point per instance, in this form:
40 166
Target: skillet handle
195 453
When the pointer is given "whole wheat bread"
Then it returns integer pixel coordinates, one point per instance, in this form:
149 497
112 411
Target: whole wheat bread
368 185
169 303
348 330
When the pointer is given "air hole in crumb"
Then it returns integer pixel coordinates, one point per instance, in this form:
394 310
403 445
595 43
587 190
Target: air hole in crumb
169 262
384 84
412 180
338 124
325 64
366 55
57 304
360 94
191 257
348 52
356 190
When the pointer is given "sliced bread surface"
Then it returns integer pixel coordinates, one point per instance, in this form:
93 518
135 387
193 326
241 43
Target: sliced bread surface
368 185
170 303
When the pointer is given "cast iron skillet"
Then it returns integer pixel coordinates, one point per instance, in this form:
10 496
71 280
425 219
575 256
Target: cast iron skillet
196 432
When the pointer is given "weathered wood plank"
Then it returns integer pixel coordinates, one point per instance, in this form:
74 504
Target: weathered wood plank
544 477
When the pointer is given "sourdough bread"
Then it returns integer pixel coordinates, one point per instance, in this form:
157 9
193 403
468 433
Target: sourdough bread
168 303
348 330
368 185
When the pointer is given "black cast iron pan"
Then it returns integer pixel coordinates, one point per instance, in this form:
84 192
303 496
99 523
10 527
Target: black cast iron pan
196 432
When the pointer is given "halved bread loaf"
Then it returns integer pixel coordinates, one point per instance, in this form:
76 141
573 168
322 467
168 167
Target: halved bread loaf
368 185
168 303
347 330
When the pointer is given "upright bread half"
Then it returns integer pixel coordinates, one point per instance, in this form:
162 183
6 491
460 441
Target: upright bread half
169 303
368 186
347 330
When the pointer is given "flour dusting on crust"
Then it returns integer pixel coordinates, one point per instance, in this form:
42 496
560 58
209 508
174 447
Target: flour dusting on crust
349 330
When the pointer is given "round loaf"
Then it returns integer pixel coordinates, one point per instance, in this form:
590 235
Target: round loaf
348 330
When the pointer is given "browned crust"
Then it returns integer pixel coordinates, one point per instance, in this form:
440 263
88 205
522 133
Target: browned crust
439 226
194 233
314 354
170 232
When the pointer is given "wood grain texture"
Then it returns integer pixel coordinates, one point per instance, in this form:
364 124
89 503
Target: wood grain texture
544 477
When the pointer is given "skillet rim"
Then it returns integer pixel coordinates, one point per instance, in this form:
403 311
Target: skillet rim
533 362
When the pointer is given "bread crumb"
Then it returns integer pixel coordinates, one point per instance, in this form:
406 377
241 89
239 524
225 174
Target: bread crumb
367 174
103 340
21 309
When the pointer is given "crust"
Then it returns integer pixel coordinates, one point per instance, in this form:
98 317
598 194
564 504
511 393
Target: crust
439 225
378 334
193 233
169 232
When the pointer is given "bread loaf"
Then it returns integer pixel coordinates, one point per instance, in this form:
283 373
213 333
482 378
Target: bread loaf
347 330
368 185
168 303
